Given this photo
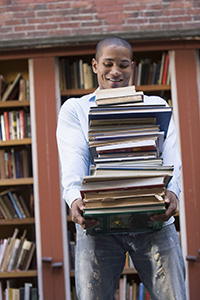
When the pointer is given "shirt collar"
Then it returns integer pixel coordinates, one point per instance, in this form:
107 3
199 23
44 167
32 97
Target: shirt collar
92 98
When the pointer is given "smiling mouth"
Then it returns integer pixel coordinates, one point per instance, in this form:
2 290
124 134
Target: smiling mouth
114 80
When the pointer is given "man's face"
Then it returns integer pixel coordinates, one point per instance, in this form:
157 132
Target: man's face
114 67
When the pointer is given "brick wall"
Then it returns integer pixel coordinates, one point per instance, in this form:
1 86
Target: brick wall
26 21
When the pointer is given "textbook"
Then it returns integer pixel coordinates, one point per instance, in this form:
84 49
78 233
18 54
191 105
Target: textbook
109 183
123 95
127 219
132 170
160 114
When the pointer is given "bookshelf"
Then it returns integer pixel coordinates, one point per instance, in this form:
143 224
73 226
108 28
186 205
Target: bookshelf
42 67
16 181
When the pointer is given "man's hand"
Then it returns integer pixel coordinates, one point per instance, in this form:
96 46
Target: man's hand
171 205
77 215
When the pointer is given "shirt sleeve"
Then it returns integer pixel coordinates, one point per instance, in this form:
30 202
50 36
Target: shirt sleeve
73 152
171 156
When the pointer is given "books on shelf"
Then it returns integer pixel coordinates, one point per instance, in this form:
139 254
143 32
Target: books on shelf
150 72
18 89
76 74
15 163
15 125
127 180
16 253
131 290
26 292
13 205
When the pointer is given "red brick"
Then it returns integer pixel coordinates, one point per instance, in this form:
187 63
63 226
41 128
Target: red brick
70 25
80 4
24 28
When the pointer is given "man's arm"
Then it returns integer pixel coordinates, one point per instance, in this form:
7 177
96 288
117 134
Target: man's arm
74 158
171 156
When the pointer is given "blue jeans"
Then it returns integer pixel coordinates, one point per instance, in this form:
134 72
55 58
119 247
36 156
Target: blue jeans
156 256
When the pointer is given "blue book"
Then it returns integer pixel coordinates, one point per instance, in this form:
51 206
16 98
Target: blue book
161 114
19 214
141 291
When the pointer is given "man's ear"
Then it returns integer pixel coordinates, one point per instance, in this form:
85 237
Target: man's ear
94 65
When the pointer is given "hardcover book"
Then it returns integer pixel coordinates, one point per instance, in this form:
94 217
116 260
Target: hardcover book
127 219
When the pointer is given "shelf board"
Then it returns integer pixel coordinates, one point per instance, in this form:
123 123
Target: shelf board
18 274
17 221
26 141
145 88
14 103
17 181
152 88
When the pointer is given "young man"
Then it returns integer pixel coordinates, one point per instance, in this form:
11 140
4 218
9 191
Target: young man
100 259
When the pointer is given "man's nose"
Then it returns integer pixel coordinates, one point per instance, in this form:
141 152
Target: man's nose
115 70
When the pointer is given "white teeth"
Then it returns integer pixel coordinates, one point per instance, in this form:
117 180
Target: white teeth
114 80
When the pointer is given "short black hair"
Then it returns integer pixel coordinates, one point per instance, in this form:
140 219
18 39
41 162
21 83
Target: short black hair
112 40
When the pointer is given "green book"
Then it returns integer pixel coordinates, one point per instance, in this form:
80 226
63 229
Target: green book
125 219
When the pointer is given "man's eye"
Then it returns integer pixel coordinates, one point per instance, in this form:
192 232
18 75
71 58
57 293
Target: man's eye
108 65
124 66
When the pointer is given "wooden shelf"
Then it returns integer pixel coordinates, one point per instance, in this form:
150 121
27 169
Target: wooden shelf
26 141
17 181
145 88
14 103
16 221
152 88
18 274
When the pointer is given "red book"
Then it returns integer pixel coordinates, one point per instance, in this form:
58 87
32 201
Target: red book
165 69
7 127
22 124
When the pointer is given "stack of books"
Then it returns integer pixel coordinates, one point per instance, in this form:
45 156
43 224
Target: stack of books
127 180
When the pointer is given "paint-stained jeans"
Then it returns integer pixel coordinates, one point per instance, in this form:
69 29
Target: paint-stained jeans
156 256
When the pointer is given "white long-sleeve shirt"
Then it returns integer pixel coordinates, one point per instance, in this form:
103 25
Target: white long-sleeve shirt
72 139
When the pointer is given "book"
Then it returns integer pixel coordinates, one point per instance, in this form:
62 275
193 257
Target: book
3 86
34 293
11 93
22 89
129 196
14 253
27 290
165 68
140 171
103 184
26 255
9 204
19 201
87 76
19 250
4 243
161 115
3 128
21 293
7 126
9 252
126 219
15 205
124 95
5 209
